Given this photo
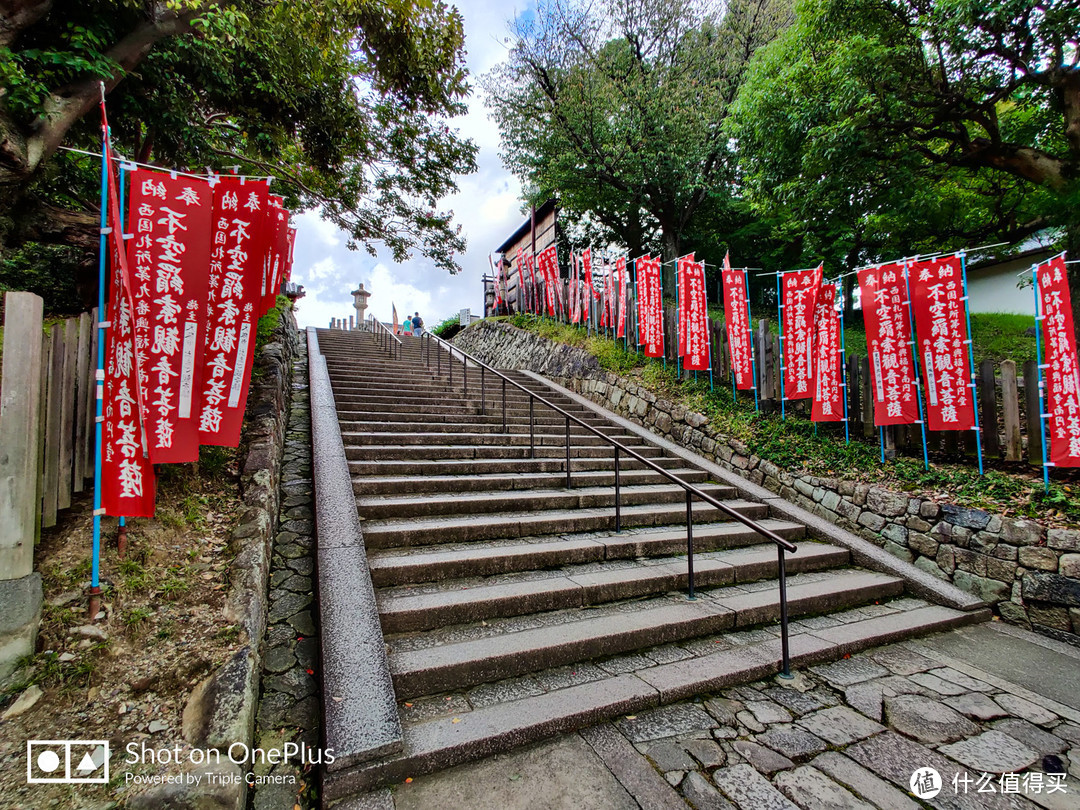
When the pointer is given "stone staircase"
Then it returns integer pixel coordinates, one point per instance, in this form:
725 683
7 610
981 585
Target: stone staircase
511 608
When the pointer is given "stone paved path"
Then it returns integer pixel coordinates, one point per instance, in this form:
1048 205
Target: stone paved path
289 708
844 735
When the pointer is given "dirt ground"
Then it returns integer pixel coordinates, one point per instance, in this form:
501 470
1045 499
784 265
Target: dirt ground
125 676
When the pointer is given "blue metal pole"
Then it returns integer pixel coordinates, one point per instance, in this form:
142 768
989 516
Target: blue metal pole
780 320
750 339
971 363
678 359
918 377
1042 385
881 439
95 565
843 363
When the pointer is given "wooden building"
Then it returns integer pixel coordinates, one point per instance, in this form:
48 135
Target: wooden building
532 236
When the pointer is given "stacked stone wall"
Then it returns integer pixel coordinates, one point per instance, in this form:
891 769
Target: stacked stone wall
1028 571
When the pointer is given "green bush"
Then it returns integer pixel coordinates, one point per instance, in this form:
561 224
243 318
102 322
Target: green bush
448 328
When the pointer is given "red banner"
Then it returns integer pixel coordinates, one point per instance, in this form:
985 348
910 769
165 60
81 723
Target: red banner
292 249
530 264
828 395
620 270
170 253
800 293
888 342
587 277
239 217
127 475
277 249
549 272
1059 356
650 306
737 324
937 293
693 315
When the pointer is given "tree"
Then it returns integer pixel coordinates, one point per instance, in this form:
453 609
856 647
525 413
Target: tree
618 108
343 101
880 128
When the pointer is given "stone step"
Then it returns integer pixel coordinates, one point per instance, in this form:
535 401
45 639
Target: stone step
354 438
521 465
493 416
401 566
466 735
464 528
500 651
374 398
529 499
480 451
443 504
370 485
480 423
457 601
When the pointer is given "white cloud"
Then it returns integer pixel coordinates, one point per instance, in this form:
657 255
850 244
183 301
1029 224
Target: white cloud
486 206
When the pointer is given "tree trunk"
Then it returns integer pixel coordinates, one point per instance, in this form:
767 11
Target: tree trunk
671 252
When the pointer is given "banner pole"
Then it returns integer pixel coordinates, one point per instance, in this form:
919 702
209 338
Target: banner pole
780 322
705 301
95 565
843 363
121 530
678 347
918 377
750 341
971 363
1042 385
881 439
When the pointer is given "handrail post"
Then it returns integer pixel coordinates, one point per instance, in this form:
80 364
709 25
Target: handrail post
464 376
450 362
618 509
532 433
483 393
690 544
568 451
504 404
781 567
438 361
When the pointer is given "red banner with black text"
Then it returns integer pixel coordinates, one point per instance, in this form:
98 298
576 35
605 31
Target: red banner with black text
693 315
737 325
1059 356
940 311
620 271
828 403
800 290
239 223
548 263
169 256
128 484
650 306
883 293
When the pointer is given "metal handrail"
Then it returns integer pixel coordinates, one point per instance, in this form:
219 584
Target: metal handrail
384 336
782 545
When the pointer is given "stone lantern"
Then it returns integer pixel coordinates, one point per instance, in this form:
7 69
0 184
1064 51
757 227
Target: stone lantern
360 297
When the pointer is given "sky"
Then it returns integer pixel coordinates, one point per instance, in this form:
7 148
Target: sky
486 205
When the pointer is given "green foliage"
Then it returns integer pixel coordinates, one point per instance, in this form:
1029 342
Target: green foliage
617 108
448 328
879 128
345 102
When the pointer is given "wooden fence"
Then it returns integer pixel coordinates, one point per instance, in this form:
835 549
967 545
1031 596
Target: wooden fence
60 379
1007 395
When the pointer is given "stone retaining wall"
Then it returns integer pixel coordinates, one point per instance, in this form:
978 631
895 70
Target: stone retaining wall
221 710
1031 574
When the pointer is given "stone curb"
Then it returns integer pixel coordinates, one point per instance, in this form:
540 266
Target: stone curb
360 707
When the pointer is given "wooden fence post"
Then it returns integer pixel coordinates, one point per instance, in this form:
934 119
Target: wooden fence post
67 413
20 402
1010 411
53 410
868 398
1033 413
83 380
988 410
